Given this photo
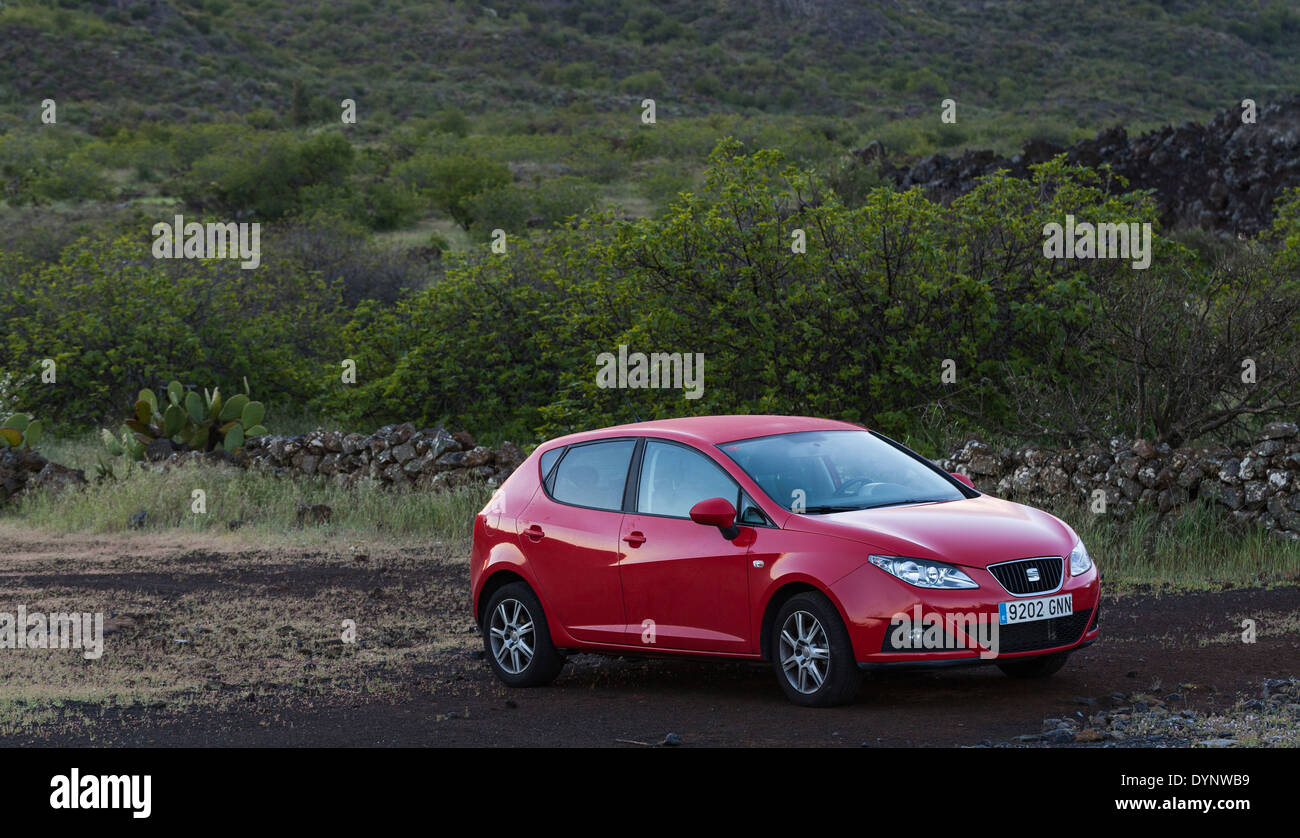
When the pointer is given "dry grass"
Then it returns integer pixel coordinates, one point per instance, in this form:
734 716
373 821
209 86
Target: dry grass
210 621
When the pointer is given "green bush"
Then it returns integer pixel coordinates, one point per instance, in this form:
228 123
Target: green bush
502 207
858 327
37 169
450 183
650 82
452 121
379 204
114 321
266 175
707 84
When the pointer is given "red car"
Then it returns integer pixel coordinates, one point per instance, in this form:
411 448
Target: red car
820 546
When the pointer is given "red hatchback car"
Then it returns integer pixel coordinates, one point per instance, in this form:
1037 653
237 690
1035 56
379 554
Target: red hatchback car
820 546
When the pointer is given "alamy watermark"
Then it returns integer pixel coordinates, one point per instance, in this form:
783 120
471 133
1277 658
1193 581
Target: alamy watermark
930 631
25 629
214 240
1105 240
75 790
657 370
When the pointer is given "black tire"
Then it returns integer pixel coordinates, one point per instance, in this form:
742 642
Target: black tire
840 677
515 606
1039 667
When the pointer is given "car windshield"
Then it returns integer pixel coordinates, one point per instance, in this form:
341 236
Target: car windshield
820 472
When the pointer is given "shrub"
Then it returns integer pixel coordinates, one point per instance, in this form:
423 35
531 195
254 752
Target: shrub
648 82
266 175
451 183
858 327
114 321
452 121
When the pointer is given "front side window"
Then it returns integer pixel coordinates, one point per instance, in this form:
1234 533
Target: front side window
674 478
594 475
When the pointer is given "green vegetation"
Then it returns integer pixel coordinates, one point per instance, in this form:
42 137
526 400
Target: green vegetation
858 327
20 431
1071 64
888 292
199 422
1199 549
668 237
260 503
115 320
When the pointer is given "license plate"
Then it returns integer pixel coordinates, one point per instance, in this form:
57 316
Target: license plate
1029 610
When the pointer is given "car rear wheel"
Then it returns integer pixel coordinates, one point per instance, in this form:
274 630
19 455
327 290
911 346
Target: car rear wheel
517 639
812 654
1039 667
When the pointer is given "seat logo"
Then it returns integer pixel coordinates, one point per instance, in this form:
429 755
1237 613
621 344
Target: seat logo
1032 574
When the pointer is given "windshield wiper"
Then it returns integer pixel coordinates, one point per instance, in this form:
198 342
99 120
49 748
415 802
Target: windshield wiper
822 510
903 502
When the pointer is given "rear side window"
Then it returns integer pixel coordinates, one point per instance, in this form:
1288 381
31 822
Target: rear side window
675 478
594 475
548 461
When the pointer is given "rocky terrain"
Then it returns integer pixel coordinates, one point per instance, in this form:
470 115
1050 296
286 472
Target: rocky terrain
1223 175
1260 484
1140 720
22 470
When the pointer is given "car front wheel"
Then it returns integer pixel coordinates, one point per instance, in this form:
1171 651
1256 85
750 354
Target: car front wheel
517 639
812 654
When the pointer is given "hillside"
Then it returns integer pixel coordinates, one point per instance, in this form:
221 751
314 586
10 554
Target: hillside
1067 68
523 120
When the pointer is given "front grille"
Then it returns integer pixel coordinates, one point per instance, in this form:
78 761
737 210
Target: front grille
1042 634
1015 576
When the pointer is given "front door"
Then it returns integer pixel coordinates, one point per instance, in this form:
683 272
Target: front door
685 586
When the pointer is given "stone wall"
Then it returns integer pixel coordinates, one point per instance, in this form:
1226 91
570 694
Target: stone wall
1260 484
396 456
24 470
400 456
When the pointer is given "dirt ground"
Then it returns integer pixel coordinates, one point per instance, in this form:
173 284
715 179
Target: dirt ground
216 641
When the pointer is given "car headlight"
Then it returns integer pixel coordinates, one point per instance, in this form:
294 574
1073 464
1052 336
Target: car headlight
1080 561
923 573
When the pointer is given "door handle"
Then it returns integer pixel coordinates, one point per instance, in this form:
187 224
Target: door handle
534 533
634 538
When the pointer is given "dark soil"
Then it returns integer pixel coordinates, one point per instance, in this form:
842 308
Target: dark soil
425 696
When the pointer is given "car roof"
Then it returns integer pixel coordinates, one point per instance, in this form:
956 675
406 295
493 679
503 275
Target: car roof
712 430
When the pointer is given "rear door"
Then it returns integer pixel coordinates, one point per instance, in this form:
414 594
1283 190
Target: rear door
570 535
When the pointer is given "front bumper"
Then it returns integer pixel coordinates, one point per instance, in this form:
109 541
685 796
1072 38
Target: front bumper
872 599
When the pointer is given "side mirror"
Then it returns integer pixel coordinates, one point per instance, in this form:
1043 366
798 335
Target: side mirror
717 512
963 478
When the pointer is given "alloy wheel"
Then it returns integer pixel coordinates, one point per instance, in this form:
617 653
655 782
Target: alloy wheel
805 652
512 636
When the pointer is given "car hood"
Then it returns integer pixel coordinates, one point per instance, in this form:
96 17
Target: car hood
973 532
